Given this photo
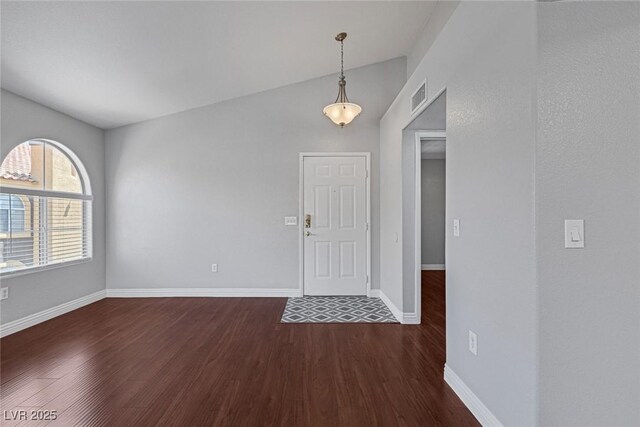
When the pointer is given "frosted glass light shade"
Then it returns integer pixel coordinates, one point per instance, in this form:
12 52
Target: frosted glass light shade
342 113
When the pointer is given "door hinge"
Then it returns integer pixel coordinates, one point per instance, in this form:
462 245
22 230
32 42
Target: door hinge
367 278
367 226
367 176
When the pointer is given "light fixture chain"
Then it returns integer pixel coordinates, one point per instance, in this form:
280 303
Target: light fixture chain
341 59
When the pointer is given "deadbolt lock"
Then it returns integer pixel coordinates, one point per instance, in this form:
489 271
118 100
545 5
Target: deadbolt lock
307 221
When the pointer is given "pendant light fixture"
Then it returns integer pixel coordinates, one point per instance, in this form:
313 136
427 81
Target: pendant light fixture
342 112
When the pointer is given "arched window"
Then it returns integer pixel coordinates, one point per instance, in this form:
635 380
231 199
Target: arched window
45 208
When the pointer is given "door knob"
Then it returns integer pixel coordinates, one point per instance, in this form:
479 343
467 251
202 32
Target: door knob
308 233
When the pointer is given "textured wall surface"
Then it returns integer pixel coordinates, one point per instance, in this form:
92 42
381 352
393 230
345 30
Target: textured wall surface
588 166
213 185
485 58
30 293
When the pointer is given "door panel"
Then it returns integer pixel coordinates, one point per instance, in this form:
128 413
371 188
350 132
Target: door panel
347 259
335 245
322 206
322 257
347 206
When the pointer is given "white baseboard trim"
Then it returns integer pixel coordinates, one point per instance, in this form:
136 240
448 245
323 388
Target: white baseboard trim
410 319
404 318
201 292
50 313
392 307
433 267
468 397
374 293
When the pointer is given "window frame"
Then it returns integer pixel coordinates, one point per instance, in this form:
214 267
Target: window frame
10 214
86 195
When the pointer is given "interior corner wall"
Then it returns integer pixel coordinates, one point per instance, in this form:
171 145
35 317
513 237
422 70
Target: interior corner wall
485 58
213 184
588 167
408 236
31 293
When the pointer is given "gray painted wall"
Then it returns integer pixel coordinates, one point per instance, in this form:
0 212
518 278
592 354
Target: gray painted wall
588 166
23 120
491 282
213 184
433 210
485 58
543 103
409 235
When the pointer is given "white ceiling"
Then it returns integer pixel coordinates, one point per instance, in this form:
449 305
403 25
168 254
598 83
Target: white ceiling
115 63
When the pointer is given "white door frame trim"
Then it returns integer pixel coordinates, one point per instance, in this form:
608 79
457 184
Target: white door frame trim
419 136
367 156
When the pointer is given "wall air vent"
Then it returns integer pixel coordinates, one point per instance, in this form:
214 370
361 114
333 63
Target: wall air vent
419 97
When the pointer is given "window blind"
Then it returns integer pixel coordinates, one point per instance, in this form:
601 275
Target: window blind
39 230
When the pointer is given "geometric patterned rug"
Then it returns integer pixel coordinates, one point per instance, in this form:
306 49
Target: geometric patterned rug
349 309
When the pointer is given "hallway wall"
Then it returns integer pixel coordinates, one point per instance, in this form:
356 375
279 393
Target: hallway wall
588 167
485 58
433 210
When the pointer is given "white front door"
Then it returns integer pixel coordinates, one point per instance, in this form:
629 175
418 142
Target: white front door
335 225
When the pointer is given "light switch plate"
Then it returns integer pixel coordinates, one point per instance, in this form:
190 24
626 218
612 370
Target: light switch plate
574 233
290 220
473 343
4 293
456 227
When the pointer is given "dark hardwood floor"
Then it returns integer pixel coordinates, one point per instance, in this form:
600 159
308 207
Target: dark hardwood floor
214 361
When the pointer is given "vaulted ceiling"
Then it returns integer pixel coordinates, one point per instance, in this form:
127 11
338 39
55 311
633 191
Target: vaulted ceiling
115 63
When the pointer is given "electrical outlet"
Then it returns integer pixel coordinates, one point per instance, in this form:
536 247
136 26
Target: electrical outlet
473 343
214 268
4 293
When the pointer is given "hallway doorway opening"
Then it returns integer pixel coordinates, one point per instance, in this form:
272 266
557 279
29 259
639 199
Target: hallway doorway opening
424 139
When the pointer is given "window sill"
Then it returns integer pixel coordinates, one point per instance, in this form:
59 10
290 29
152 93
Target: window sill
11 274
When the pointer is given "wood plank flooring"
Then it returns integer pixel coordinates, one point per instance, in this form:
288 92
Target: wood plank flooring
228 361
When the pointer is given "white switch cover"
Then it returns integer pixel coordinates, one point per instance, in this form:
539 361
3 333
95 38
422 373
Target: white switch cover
290 220
214 268
473 343
456 227
574 233
4 293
